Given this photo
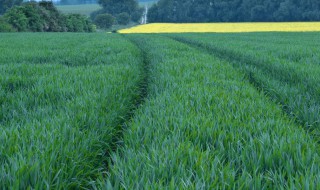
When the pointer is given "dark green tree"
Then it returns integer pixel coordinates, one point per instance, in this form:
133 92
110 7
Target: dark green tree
7 4
104 21
5 27
234 10
287 11
123 18
44 17
258 13
115 7
119 7
17 18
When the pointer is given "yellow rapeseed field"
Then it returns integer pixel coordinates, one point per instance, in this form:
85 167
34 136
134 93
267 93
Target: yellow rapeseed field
225 27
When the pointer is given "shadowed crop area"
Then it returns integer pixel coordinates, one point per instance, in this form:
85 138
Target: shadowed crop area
224 27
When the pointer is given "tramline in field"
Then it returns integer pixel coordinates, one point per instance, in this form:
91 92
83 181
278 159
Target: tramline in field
63 100
288 71
220 111
205 126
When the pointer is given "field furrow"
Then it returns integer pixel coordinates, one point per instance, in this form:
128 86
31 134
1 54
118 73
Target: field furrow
204 126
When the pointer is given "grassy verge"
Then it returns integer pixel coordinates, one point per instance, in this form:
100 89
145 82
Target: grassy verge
63 99
204 126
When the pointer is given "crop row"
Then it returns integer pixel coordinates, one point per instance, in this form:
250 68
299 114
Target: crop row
204 126
290 78
63 99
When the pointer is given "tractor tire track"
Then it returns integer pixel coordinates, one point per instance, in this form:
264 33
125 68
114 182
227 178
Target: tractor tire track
311 128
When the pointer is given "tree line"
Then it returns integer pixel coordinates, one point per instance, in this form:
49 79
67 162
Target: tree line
234 10
116 12
42 17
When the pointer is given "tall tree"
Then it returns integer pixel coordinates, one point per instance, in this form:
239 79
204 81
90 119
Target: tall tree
7 4
115 7
234 10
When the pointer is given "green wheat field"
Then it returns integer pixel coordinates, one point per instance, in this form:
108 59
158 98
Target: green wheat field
160 111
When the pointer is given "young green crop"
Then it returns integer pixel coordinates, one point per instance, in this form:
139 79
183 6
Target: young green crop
287 70
204 126
63 99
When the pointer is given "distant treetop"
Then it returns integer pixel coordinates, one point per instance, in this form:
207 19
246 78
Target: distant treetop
234 10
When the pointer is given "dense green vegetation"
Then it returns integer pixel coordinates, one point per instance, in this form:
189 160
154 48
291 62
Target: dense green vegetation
204 126
63 99
285 69
220 111
43 17
234 10
115 7
7 4
118 8
5 27
104 20
90 2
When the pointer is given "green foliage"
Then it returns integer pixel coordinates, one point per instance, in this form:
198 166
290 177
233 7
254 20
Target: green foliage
48 5
234 11
77 23
63 99
4 26
44 17
94 14
7 4
136 16
123 18
205 126
104 20
115 7
35 17
286 70
119 8
52 19
17 18
222 111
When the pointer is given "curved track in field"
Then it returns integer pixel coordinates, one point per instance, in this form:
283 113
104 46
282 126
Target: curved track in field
206 126
277 82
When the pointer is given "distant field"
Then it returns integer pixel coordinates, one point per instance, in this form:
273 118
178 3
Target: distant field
86 9
224 27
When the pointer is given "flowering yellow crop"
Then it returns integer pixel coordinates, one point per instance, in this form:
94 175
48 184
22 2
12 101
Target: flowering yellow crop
225 27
